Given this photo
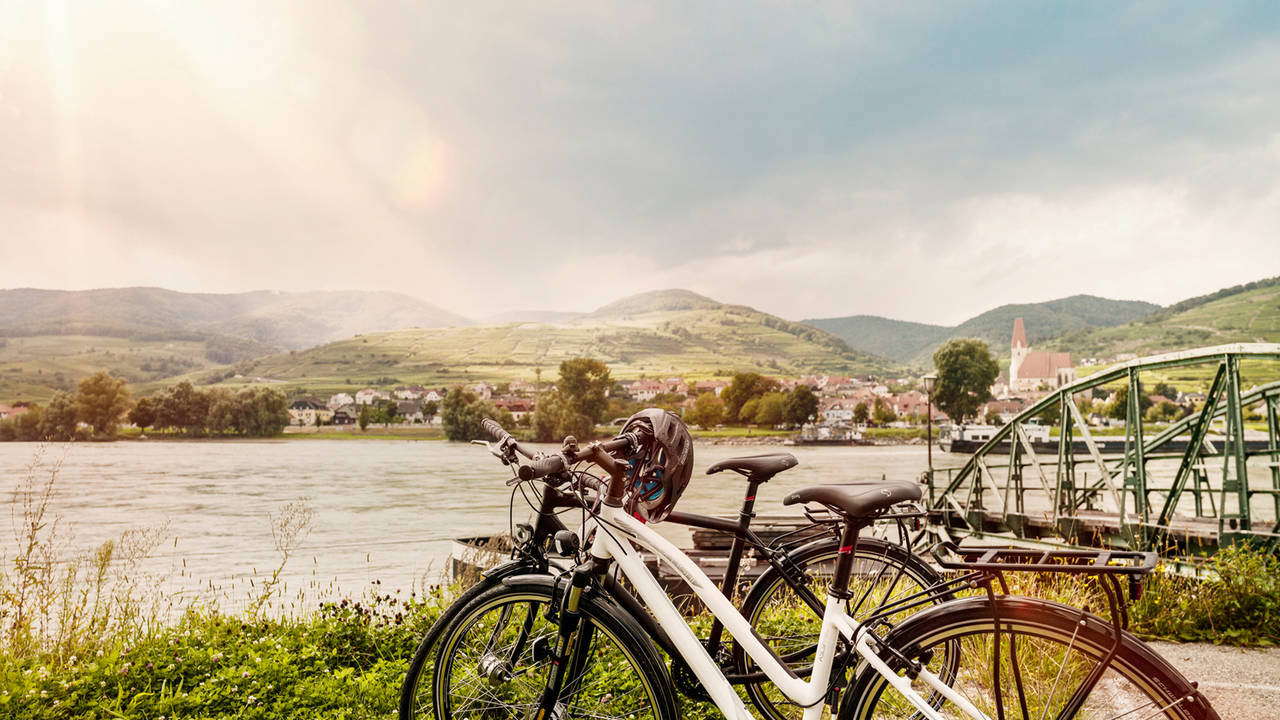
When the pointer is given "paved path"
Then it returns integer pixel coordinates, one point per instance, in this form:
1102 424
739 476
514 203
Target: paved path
1242 684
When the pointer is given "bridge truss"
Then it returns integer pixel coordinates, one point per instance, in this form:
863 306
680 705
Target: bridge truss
1207 480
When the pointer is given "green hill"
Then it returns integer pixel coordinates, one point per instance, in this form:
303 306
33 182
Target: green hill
654 334
914 343
1244 313
49 339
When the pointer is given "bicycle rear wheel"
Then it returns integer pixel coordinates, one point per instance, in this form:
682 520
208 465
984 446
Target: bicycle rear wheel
1048 654
883 572
494 657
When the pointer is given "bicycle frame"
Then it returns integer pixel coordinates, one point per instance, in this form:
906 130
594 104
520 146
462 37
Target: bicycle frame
605 545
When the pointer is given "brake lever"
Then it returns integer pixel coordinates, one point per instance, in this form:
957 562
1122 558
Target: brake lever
499 452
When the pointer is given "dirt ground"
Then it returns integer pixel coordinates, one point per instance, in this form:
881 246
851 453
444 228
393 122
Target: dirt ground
1242 684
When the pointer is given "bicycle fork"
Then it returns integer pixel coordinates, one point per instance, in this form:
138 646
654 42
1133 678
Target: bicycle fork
568 640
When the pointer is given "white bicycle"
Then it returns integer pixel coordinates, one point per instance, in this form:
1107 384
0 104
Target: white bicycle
549 648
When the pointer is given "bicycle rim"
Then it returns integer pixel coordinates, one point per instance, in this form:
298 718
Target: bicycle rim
493 664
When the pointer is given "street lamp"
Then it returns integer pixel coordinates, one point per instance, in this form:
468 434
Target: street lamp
930 381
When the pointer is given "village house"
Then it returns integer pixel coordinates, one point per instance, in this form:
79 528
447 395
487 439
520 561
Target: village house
518 407
337 400
713 386
646 390
346 415
482 390
408 392
435 396
9 412
912 402
523 387
304 411
836 410
409 410
370 396
1033 370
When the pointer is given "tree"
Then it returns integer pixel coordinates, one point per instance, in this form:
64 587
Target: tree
462 414
1118 408
101 401
1165 412
1051 415
742 389
585 383
1167 390
59 422
143 413
965 373
992 418
802 404
707 411
861 413
182 407
747 413
771 408
883 414
429 411
366 414
556 418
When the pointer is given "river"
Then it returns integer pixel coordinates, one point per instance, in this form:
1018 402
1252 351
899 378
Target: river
382 510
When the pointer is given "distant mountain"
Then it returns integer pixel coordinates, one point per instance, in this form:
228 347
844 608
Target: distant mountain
652 302
524 316
280 319
914 343
1243 313
660 334
49 339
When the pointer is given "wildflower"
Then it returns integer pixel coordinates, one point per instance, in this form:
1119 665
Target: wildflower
246 674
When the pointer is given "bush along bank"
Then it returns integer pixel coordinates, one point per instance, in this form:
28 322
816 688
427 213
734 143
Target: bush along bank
346 660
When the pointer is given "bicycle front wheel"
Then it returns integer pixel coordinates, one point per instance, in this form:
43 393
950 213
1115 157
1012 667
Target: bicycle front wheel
1048 657
494 658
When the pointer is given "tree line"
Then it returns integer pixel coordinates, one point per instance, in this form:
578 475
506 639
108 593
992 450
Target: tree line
102 403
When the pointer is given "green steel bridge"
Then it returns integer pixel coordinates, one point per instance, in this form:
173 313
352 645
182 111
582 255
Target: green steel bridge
1208 480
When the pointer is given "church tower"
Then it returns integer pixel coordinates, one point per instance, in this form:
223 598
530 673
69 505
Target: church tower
1018 350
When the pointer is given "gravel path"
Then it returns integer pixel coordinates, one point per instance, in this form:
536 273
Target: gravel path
1242 684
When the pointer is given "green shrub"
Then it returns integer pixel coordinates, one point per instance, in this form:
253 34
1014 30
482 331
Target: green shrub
1237 604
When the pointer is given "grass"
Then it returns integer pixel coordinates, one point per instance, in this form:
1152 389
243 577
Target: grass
742 432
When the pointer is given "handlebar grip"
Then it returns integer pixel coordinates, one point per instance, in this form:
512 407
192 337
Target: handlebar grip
494 429
542 467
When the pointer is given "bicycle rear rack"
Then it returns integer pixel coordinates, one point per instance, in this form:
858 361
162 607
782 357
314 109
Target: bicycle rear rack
1093 562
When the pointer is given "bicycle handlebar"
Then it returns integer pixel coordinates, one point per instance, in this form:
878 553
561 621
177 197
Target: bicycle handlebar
504 438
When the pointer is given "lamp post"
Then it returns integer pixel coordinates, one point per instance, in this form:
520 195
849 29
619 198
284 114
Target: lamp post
929 381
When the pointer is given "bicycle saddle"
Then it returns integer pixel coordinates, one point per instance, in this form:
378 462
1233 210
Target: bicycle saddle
756 467
857 501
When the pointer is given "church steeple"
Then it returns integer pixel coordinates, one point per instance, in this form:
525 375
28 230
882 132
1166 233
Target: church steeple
1019 334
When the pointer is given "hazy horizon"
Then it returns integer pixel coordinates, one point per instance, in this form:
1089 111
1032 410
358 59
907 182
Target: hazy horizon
922 163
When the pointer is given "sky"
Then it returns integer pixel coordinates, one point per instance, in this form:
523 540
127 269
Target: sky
922 161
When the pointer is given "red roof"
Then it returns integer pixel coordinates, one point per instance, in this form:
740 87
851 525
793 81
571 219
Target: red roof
1019 335
1044 364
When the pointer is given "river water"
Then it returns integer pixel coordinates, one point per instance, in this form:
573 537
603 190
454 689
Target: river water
381 510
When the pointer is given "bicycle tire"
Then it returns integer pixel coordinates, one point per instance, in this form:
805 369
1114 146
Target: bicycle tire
1137 681
767 590
608 637
411 707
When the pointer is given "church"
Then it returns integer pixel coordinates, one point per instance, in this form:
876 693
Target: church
1035 370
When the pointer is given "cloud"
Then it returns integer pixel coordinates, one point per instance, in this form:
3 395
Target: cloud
809 160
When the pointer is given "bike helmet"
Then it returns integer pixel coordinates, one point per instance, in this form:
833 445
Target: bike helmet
661 470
